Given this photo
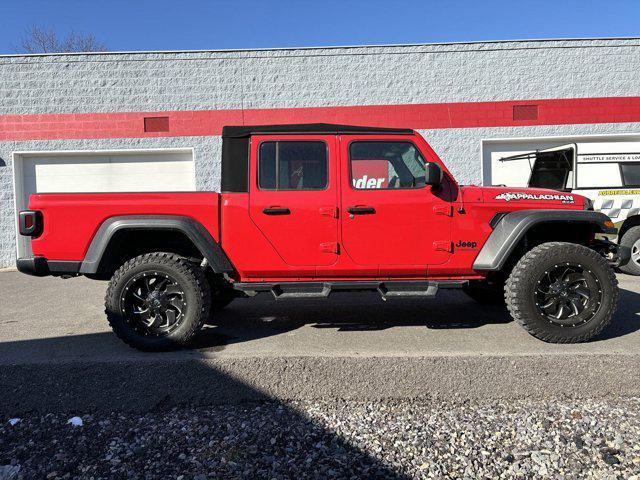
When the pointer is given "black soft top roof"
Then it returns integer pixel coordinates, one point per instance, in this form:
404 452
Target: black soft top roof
245 131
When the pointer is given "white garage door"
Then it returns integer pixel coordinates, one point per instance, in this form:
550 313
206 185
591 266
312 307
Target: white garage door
113 171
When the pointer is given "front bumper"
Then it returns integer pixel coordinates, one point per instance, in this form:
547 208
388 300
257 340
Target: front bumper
41 267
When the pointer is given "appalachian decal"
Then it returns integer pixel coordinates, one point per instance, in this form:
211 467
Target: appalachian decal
508 196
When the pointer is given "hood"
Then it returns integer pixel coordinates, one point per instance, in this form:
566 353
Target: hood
540 197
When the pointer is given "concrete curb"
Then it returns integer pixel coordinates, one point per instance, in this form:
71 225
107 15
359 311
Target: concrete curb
139 385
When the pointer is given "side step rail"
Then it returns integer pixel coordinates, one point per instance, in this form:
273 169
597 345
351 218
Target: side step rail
386 289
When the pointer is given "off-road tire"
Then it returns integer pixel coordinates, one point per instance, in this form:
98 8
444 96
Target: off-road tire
521 285
629 238
484 293
197 297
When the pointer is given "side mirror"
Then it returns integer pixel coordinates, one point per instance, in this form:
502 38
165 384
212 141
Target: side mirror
433 174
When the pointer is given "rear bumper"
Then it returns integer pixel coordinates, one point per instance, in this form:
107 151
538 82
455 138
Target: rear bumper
41 267
36 266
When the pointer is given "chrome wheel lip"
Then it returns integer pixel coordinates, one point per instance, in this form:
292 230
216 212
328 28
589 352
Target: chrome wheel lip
153 303
568 287
635 252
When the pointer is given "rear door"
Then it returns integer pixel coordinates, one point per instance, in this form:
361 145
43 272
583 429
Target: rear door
293 196
390 218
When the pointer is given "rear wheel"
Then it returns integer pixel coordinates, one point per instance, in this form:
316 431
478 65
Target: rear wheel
631 240
157 301
562 292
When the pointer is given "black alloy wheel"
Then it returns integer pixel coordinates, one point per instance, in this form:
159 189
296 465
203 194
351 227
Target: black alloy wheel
157 301
153 302
568 294
562 292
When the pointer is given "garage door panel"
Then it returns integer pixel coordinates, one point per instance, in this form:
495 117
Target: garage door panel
108 173
102 168
125 182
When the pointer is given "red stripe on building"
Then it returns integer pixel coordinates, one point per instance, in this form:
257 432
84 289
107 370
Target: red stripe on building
422 116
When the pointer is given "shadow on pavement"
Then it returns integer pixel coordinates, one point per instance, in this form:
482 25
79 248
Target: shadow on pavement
251 319
626 320
158 382
260 317
273 445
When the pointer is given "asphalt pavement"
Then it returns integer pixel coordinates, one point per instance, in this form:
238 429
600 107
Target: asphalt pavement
57 352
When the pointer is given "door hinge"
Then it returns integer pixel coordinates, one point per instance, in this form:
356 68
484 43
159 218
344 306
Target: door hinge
329 212
443 246
443 210
329 247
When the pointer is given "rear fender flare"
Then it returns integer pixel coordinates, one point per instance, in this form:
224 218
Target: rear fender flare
513 226
191 228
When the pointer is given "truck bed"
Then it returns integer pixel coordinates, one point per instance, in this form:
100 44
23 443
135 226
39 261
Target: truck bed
71 219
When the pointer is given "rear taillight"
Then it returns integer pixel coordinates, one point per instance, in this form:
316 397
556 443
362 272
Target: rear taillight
30 223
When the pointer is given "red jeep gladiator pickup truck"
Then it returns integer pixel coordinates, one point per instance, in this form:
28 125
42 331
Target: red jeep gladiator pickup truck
306 210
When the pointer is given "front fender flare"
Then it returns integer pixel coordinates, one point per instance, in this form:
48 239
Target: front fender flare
513 226
193 230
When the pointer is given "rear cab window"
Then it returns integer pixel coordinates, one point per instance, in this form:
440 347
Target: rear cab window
292 165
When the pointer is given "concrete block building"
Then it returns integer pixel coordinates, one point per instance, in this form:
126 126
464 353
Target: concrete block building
152 120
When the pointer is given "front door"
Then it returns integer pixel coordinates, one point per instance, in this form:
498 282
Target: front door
293 197
390 217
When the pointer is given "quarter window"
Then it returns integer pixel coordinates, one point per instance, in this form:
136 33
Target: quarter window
291 165
386 165
630 174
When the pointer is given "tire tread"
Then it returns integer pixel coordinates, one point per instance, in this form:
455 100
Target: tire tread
515 296
182 266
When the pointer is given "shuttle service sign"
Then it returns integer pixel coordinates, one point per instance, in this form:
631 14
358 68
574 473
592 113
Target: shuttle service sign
610 157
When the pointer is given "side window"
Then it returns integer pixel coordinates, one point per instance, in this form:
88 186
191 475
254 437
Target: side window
630 174
386 165
292 165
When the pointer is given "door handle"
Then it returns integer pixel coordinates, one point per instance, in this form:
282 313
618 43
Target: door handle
276 211
361 210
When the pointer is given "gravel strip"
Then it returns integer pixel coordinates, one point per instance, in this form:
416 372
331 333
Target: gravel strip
567 439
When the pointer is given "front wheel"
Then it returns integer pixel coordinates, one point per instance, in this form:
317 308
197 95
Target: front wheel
157 301
562 292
